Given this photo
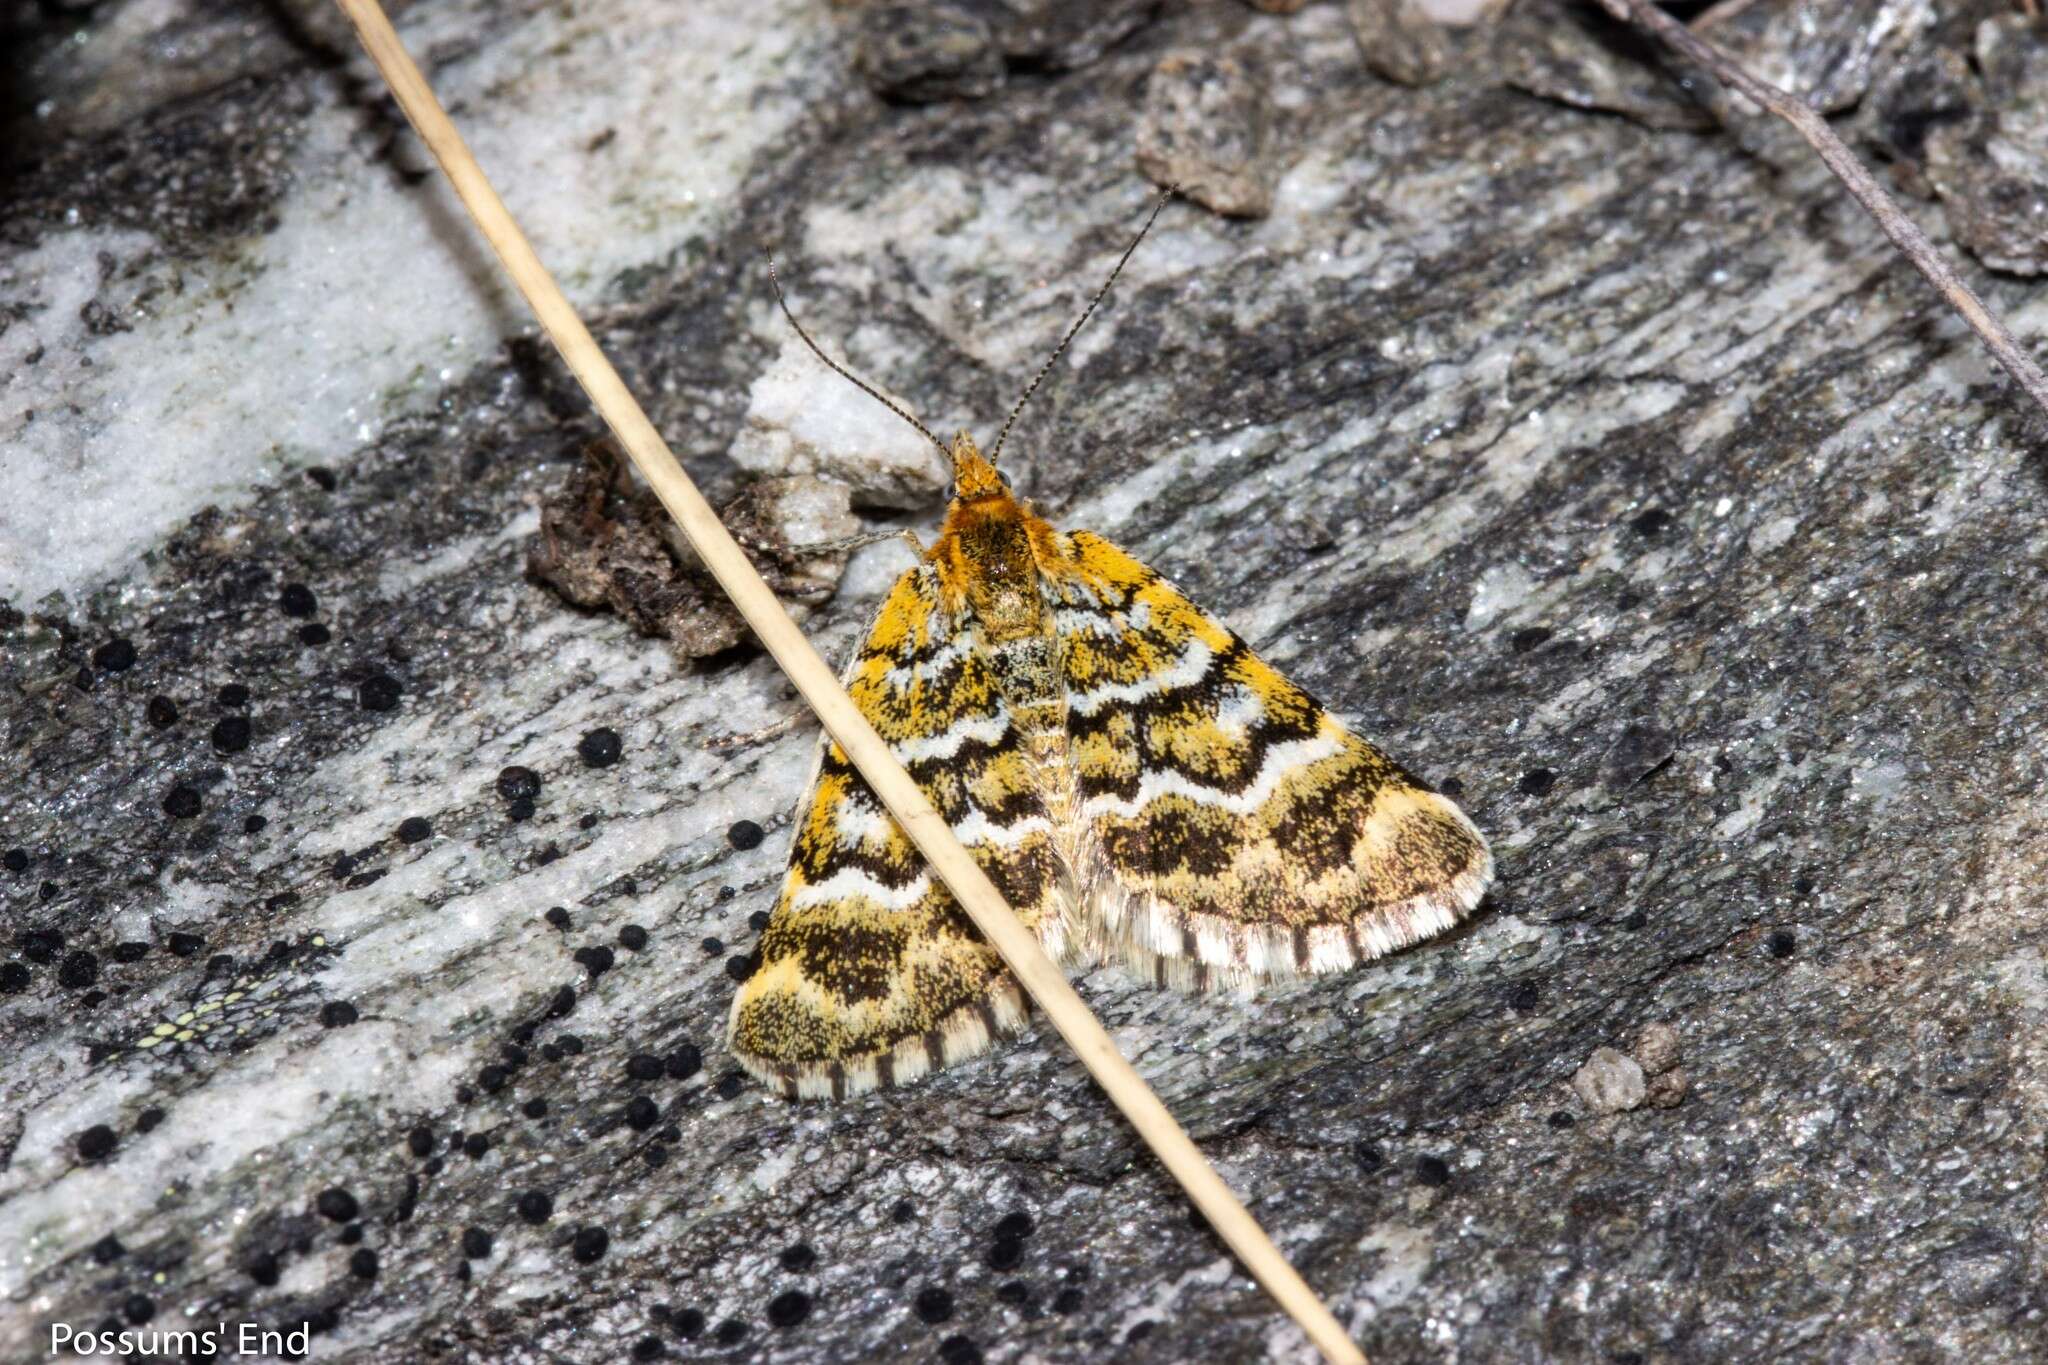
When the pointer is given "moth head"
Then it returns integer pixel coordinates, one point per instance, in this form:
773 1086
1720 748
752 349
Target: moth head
973 475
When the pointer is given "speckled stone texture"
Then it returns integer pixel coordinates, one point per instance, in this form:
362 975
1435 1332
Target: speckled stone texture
1626 487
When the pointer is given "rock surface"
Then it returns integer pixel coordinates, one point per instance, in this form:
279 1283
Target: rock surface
371 915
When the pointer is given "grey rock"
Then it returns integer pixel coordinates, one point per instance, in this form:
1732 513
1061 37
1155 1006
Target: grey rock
1576 55
1399 40
1609 1082
1477 337
1204 128
1991 169
926 52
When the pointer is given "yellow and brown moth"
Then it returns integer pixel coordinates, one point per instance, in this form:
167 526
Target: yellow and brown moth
1142 787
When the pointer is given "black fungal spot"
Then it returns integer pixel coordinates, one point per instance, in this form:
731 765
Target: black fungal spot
322 476
41 945
254 824
96 1142
758 921
1561 1118
600 748
1014 1225
1524 996
745 834
80 970
314 633
642 1113
476 1243
231 734
740 966
362 1263
337 1205
1536 782
414 829
14 978
476 1146
933 1304
161 712
633 938
296 599
1432 1171
649 1348
181 802
1006 1254
494 1078
589 1245
959 1350
1651 522
642 1066
264 1269
683 1061
596 960
1139 1331
558 916
115 656
1783 943
337 1014
789 1308
232 694
713 946
535 1108
730 1085
420 1141
378 692
564 1003
138 1308
519 811
535 1206
108 1250
183 944
1016 1293
1804 886
1369 1157
903 1213
1068 1300
516 783
799 1258
1528 638
15 860
731 1332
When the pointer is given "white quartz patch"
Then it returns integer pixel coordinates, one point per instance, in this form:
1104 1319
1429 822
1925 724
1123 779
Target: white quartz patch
615 130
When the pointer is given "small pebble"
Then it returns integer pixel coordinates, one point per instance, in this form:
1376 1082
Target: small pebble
1609 1082
1657 1048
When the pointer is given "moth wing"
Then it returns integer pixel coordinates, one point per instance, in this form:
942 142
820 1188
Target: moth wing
1235 830
870 973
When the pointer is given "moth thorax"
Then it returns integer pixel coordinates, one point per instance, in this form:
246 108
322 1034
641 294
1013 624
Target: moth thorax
1002 579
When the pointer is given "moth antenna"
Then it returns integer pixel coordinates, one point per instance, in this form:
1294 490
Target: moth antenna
848 375
1052 359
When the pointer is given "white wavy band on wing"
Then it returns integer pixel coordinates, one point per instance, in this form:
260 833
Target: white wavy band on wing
1189 669
1281 760
850 883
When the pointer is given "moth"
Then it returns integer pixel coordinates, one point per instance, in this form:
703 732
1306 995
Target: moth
1140 785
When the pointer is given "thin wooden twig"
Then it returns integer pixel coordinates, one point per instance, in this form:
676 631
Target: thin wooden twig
925 827
1903 231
